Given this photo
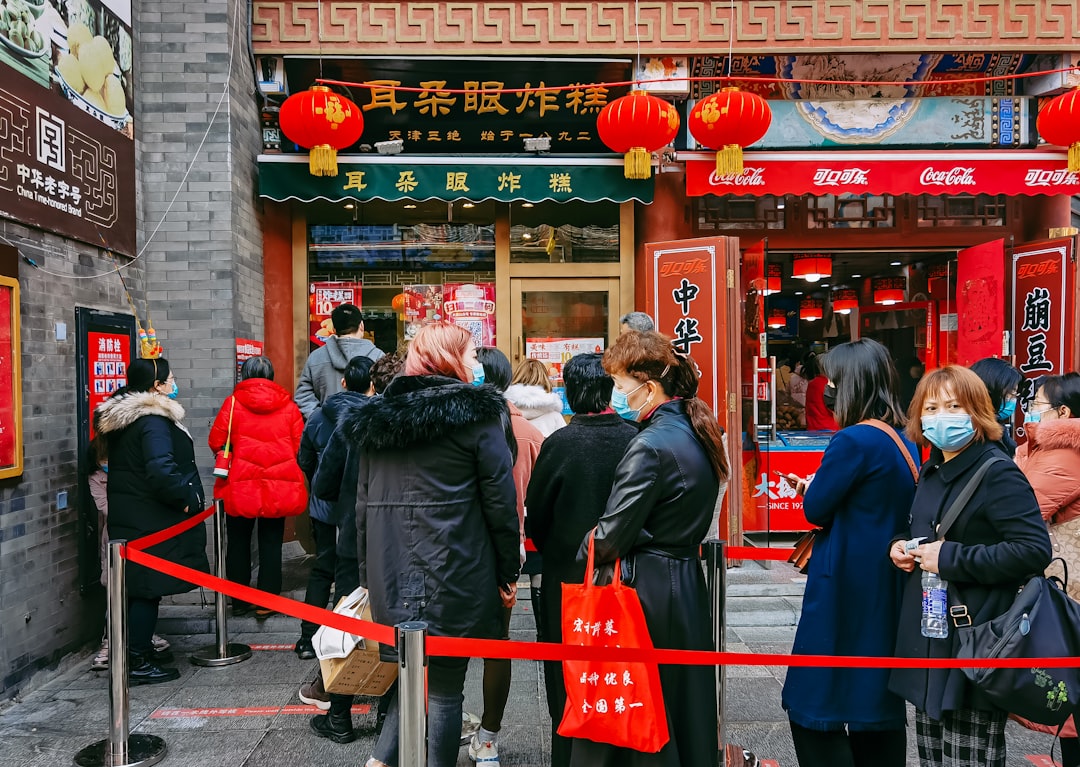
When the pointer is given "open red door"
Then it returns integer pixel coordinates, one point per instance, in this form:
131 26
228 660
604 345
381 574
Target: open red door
980 303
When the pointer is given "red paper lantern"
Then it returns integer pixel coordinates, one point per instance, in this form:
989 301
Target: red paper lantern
844 300
888 290
811 309
811 267
729 121
637 125
397 303
1059 124
777 318
774 275
322 122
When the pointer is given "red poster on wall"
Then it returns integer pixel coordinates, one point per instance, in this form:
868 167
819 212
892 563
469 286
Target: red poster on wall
323 298
686 301
246 348
10 450
980 302
472 305
108 359
1042 303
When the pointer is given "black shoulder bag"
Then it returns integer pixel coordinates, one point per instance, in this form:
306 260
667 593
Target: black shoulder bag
1043 622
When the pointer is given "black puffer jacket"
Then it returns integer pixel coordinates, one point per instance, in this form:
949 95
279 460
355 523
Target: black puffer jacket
152 478
436 516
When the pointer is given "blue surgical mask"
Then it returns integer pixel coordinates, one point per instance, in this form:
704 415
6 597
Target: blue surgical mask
1006 411
621 405
478 375
1032 417
175 391
948 432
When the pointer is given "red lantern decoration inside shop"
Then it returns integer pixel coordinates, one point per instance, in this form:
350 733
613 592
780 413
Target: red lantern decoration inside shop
637 125
844 300
729 121
774 274
811 309
889 290
323 122
777 318
1059 124
811 267
397 303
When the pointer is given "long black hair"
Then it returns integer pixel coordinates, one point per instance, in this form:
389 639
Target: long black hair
144 375
1001 379
866 383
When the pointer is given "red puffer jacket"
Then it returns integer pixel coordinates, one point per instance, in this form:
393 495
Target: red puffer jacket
264 478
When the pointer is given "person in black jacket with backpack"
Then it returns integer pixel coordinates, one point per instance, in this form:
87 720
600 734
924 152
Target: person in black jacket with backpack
995 544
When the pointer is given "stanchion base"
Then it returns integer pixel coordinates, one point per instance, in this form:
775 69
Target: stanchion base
737 756
208 656
143 750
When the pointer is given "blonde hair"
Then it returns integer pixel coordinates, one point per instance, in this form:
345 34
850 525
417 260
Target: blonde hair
532 373
439 349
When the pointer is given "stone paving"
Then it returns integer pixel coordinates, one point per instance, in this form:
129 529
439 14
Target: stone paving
248 715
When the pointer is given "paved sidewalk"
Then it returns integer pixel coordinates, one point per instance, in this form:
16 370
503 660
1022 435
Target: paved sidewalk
248 715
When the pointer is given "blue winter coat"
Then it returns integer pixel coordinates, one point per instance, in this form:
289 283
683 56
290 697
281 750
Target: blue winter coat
860 496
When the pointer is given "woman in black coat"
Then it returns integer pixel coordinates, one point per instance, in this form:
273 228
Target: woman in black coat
153 484
570 484
659 510
438 536
996 543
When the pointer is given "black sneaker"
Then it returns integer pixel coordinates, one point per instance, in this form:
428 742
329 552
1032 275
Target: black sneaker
304 649
142 671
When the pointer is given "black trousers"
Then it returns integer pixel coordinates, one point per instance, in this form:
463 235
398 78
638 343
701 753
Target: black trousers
321 579
271 533
839 748
142 620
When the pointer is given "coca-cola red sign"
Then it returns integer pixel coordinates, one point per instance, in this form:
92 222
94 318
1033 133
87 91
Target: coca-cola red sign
986 172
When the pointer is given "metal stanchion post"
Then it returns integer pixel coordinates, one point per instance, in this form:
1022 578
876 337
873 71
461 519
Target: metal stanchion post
120 749
716 579
223 653
412 658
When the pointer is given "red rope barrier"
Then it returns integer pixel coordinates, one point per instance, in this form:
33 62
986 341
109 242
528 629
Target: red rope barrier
169 532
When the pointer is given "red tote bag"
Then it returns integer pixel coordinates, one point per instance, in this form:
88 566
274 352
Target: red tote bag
610 701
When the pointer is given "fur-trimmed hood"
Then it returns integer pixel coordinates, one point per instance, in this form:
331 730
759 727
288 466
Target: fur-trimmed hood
417 409
1056 434
533 401
120 411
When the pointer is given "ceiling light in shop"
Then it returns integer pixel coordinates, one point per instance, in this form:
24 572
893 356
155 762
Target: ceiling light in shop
526 236
409 206
777 318
856 276
889 290
811 266
349 206
894 263
468 205
527 205
798 292
844 300
773 276
811 309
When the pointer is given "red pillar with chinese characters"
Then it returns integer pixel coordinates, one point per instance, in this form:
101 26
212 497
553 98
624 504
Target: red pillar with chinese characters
278 291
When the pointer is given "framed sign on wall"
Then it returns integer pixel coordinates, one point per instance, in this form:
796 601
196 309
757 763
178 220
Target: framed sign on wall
11 446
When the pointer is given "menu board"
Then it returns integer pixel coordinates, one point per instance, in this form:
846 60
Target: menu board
10 381
108 357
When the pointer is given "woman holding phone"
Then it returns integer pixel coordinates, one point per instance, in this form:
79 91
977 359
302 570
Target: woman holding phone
860 497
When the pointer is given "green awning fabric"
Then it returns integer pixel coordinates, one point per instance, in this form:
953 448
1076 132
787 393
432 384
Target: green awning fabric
506 179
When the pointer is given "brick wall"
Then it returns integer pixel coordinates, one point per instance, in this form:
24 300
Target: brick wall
201 272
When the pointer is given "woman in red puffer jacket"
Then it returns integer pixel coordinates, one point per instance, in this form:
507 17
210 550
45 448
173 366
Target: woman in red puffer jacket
265 484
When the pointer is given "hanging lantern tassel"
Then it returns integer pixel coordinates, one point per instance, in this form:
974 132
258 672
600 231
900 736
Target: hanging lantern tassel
729 161
1074 158
322 160
637 163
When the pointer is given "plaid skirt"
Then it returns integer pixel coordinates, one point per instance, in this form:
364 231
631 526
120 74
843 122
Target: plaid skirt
961 738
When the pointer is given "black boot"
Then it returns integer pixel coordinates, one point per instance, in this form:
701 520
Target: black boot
143 671
304 649
336 724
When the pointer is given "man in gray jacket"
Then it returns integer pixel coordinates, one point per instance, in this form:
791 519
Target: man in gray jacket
325 366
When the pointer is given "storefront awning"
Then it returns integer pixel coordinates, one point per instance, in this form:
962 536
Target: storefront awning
505 179
885 172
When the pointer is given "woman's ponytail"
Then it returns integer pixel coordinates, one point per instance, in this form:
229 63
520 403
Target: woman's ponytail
684 381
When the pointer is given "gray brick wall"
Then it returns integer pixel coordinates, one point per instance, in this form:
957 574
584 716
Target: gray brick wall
201 273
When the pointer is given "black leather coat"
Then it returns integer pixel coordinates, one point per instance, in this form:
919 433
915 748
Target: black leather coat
659 510
436 508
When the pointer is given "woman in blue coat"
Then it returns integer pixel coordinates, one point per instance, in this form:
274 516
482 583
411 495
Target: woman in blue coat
860 497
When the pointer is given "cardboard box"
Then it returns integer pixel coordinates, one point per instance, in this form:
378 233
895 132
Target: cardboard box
362 672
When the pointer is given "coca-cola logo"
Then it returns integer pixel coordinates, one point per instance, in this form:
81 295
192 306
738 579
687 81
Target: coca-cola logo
953 177
749 177
1059 177
845 176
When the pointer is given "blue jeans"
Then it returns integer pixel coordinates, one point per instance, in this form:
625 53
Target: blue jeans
445 683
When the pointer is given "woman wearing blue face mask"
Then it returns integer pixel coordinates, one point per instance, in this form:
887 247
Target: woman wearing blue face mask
1002 382
996 543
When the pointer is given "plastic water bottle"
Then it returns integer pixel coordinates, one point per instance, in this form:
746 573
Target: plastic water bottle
935 606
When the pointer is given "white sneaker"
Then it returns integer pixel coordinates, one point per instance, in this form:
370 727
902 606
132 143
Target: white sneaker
470 725
160 643
101 660
485 753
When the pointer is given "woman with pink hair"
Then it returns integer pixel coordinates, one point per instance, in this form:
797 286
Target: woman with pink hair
436 517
